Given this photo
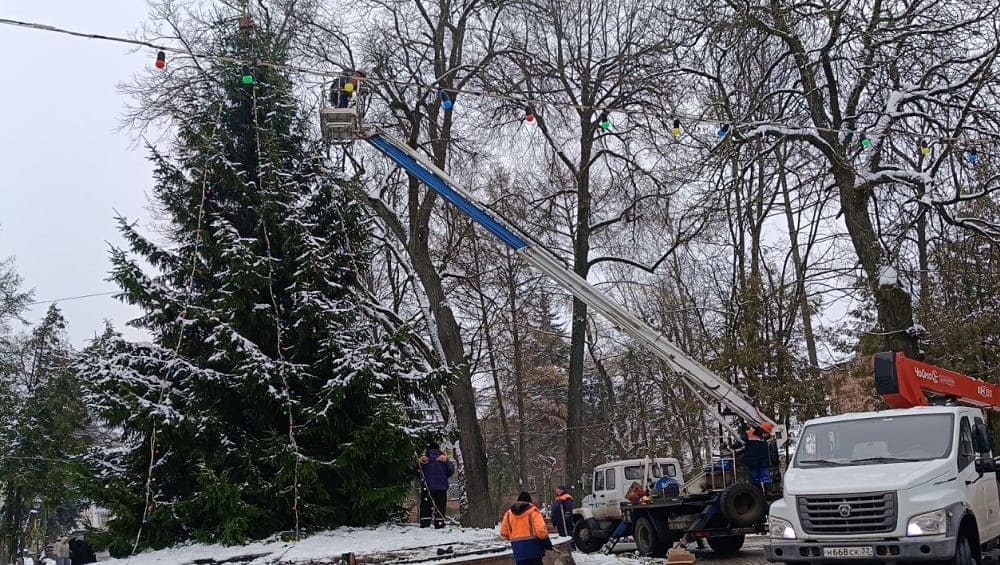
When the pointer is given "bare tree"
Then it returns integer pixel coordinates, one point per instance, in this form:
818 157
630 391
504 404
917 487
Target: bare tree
574 62
860 85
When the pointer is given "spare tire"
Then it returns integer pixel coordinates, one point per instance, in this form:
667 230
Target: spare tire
742 505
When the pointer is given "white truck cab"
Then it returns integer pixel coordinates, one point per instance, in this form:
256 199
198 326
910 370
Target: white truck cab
912 484
611 482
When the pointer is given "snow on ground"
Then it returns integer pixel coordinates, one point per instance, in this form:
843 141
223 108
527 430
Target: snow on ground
387 543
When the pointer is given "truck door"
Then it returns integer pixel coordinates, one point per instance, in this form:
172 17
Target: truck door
613 492
980 492
991 499
600 497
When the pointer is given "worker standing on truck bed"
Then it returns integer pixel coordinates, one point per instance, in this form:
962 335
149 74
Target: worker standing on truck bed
757 453
562 511
524 526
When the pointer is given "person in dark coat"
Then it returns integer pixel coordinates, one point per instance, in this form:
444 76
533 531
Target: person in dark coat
757 453
434 469
562 511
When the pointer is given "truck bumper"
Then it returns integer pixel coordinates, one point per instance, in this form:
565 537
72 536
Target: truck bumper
936 549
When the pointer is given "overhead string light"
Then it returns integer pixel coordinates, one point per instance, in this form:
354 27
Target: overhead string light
865 142
925 148
529 114
604 121
247 74
401 83
723 131
676 129
972 155
446 102
161 60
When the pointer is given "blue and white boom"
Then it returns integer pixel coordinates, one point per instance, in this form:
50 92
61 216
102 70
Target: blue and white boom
698 377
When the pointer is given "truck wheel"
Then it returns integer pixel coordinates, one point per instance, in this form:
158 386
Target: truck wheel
726 545
585 540
646 540
963 552
742 505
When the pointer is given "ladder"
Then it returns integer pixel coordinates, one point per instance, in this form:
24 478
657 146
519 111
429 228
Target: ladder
694 374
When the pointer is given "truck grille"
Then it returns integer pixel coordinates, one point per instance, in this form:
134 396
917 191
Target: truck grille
848 513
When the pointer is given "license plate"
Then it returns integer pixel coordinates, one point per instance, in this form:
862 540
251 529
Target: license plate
848 552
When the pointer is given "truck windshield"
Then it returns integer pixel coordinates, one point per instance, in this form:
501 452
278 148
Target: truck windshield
896 439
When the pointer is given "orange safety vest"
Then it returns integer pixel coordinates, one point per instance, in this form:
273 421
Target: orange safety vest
527 525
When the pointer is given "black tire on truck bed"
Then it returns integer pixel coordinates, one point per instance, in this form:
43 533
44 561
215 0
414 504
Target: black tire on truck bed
584 539
726 545
647 541
742 505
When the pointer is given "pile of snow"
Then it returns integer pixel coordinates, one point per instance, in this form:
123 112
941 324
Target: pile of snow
392 542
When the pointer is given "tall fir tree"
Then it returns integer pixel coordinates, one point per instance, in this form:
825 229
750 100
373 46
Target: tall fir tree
273 395
42 437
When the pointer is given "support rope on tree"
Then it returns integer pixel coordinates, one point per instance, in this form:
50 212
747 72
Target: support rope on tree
278 331
182 321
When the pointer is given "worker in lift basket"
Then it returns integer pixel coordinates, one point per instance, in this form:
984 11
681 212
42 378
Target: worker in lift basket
345 86
757 453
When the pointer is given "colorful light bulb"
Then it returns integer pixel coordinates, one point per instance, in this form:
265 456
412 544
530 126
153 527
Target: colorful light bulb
676 130
865 142
605 121
161 60
925 149
247 75
529 114
446 102
973 155
723 131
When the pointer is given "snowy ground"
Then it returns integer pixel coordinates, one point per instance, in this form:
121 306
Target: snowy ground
385 544
398 544
751 554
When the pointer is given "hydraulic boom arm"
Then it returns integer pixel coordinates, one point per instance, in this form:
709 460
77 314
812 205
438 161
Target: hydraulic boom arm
700 378
904 383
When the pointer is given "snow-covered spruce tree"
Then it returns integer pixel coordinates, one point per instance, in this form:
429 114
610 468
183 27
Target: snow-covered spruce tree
42 423
269 366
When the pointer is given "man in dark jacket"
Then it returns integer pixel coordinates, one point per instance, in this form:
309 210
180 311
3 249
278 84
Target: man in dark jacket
562 511
434 470
757 453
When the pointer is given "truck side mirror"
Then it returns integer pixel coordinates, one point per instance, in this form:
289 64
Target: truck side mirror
986 465
980 438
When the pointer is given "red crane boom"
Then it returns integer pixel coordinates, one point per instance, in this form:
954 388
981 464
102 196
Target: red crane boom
904 383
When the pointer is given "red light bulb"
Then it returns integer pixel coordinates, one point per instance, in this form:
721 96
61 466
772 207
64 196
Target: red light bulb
161 60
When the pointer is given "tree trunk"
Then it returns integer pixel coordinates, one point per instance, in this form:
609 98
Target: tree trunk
800 277
522 423
460 391
894 304
578 332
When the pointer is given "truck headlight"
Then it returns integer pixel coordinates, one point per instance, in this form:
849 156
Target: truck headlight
780 529
928 524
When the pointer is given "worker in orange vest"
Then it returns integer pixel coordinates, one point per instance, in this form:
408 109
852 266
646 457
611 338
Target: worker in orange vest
562 511
524 526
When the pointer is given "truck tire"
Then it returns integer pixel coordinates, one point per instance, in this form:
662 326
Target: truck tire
742 505
647 542
963 552
726 545
584 539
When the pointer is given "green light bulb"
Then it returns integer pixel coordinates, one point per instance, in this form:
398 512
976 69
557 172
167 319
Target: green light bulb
865 142
247 79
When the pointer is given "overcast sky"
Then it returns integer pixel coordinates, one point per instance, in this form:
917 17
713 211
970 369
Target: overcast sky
64 170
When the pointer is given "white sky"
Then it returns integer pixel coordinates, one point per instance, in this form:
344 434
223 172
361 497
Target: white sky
64 169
